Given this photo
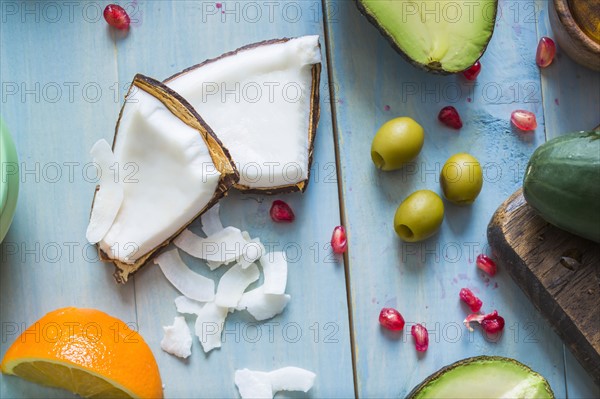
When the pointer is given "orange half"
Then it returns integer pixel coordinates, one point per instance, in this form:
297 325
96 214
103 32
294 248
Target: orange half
87 352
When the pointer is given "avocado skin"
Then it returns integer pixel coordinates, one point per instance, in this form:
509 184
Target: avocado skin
414 394
435 68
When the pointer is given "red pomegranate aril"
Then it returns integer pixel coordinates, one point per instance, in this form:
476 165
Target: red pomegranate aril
471 73
486 264
470 299
545 52
339 243
391 319
421 337
116 16
281 212
493 323
449 116
523 120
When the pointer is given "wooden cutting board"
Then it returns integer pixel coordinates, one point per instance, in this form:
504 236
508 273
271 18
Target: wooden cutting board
558 271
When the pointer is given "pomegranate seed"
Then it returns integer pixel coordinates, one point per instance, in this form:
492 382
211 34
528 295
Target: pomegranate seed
524 120
116 16
471 73
281 212
421 337
486 264
545 52
470 299
338 240
449 116
491 323
391 319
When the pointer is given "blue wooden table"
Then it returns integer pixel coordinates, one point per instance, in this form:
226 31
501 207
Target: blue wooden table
64 75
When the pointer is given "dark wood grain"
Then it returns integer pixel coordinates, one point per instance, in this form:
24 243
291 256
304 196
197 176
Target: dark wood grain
558 271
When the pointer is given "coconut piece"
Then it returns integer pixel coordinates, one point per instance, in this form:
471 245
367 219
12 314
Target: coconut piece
209 326
211 222
260 384
177 339
223 247
291 379
275 268
253 385
109 195
252 251
262 306
174 170
187 305
233 284
262 100
193 285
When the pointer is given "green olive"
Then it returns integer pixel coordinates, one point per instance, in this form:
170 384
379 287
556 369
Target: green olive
461 179
397 142
419 216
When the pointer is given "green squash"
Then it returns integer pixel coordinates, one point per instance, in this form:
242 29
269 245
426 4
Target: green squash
562 183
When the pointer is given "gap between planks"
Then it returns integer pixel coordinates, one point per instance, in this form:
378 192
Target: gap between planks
334 125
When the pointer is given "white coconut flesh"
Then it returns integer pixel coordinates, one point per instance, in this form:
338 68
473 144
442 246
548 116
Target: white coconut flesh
170 178
187 305
263 306
233 284
209 326
258 102
109 197
275 268
193 285
177 339
260 384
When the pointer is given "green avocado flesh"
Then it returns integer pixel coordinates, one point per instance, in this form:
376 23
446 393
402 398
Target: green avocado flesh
444 36
484 377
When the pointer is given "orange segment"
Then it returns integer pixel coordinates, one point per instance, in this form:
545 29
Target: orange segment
87 352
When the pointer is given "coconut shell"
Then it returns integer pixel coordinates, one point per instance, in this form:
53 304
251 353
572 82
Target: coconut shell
219 154
315 113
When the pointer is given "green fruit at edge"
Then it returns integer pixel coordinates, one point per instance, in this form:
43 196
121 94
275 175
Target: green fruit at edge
484 377
397 142
419 216
461 179
438 36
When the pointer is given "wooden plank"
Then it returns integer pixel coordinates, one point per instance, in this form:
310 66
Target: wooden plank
374 84
58 76
532 251
173 36
165 37
571 99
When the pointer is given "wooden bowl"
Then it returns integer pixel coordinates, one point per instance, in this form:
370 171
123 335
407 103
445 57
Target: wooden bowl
569 35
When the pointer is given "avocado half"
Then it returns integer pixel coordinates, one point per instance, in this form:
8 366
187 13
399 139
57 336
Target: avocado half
484 377
180 170
442 36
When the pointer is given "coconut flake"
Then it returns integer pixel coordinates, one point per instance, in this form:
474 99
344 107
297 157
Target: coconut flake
252 251
275 267
259 384
224 246
190 284
187 305
177 339
291 379
209 326
211 222
109 197
253 385
233 284
262 306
